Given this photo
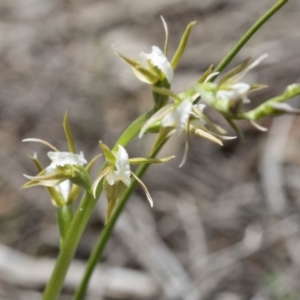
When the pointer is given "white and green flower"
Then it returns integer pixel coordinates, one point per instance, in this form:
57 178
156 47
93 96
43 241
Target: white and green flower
65 168
117 175
155 67
229 94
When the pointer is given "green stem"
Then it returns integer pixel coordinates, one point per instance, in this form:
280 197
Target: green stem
64 216
106 232
80 220
244 39
132 130
67 251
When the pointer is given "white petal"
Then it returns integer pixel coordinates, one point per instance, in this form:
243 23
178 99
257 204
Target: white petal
66 158
110 177
199 106
64 189
236 91
122 167
240 88
157 59
143 60
178 117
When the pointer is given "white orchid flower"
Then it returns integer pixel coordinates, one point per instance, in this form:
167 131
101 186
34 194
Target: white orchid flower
230 88
65 167
229 94
155 67
117 175
121 170
235 91
53 174
178 117
156 59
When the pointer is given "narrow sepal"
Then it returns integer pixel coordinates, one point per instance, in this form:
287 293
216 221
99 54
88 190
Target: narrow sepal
208 120
68 134
284 108
108 153
186 147
201 133
145 75
205 74
181 47
164 133
92 162
219 136
98 179
236 70
36 162
140 72
46 180
144 188
149 160
257 126
42 142
166 45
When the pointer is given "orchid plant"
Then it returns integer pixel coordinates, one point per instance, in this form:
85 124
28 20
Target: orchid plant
172 114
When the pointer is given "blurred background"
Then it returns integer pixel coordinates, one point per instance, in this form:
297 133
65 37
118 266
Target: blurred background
224 227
